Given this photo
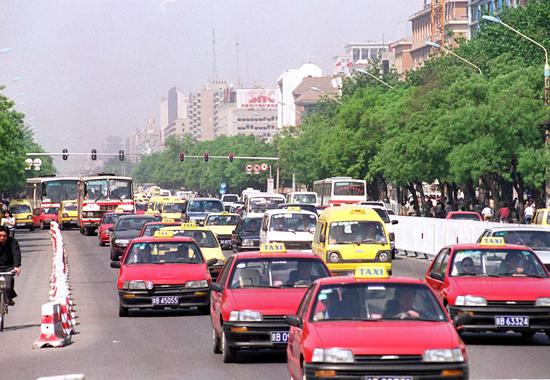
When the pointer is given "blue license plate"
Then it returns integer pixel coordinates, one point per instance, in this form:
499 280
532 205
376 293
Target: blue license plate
511 321
279 337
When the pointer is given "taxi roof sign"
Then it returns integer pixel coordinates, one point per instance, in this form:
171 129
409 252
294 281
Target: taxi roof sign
188 225
272 248
358 211
371 271
492 241
168 220
294 208
164 234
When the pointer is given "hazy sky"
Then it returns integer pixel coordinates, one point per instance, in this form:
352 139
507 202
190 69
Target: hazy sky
97 67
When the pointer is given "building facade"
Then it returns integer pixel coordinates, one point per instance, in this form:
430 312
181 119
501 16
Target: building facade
402 56
313 89
478 8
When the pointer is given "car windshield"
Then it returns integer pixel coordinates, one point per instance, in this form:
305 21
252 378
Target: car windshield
50 210
349 188
276 273
465 217
222 220
357 232
173 207
259 205
131 224
20 209
205 239
537 240
164 253
373 301
110 218
230 198
293 222
251 225
496 263
69 206
205 206
305 198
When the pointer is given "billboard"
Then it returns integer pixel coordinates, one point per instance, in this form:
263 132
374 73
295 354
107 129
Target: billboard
257 99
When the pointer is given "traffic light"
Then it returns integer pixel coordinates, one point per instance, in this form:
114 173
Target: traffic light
65 154
121 155
182 156
205 156
230 157
94 154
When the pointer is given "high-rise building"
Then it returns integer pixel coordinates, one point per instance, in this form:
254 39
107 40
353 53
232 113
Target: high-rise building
211 99
477 8
163 118
176 105
144 141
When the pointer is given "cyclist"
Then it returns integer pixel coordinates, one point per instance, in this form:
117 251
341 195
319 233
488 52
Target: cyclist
10 259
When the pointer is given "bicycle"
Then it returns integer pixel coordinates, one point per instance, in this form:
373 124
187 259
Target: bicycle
4 277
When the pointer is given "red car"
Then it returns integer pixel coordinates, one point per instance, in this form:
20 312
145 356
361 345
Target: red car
254 293
464 215
163 272
150 228
493 286
107 221
42 216
371 326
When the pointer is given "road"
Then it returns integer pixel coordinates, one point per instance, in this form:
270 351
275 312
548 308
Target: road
177 345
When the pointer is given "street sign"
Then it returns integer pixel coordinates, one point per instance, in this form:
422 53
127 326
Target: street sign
223 185
249 169
264 167
257 169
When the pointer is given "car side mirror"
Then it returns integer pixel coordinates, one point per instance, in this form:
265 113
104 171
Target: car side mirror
115 264
211 262
216 287
436 275
394 221
294 320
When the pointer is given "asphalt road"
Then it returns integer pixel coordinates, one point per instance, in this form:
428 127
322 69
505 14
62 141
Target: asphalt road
177 345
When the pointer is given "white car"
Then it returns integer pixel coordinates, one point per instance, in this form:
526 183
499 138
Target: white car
536 238
293 227
388 220
257 203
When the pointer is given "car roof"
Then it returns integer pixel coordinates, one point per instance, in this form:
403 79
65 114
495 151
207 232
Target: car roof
276 255
351 279
484 246
136 216
152 239
161 223
287 211
344 213
463 213
205 199
518 228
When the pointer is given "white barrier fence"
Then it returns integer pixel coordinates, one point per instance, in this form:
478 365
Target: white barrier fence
428 235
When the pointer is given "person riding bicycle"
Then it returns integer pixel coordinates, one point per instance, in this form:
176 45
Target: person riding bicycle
10 259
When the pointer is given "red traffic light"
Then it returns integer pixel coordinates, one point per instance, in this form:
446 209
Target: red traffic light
205 156
230 157
181 156
94 154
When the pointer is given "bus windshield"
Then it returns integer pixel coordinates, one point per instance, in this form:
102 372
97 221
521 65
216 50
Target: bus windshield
57 191
108 189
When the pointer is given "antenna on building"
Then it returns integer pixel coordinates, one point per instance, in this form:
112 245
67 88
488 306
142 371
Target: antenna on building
214 70
237 68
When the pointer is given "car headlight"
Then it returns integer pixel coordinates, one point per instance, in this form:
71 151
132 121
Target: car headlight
469 300
245 316
123 242
333 257
134 285
248 242
545 301
383 256
196 284
332 355
443 355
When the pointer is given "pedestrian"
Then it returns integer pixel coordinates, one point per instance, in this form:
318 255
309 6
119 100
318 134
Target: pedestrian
439 210
504 213
10 260
487 213
428 209
8 220
516 208
529 212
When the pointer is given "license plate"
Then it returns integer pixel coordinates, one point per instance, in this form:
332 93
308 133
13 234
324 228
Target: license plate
387 378
279 337
511 321
157 301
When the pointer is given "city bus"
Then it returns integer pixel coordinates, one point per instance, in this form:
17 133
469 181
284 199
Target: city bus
338 190
99 194
50 191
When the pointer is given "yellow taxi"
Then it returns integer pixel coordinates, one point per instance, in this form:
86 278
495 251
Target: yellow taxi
67 216
171 209
206 240
347 237
222 224
542 217
155 205
21 210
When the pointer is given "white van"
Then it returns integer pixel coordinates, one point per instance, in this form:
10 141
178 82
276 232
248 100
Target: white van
292 226
257 203
308 197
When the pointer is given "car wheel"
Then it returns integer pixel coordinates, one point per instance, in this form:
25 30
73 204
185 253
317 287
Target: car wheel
527 334
123 311
229 354
216 342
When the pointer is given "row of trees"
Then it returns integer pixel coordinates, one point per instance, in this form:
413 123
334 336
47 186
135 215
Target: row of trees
444 122
16 139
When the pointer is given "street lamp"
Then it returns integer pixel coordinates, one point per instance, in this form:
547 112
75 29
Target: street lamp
329 95
438 46
375 77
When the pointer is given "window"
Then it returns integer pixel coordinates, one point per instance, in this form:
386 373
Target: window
356 55
365 53
225 271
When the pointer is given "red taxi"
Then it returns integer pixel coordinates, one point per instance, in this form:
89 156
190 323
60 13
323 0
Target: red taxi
493 286
163 272
107 221
371 326
254 293
43 216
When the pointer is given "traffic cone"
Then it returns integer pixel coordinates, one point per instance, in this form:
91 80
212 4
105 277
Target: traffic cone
51 328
